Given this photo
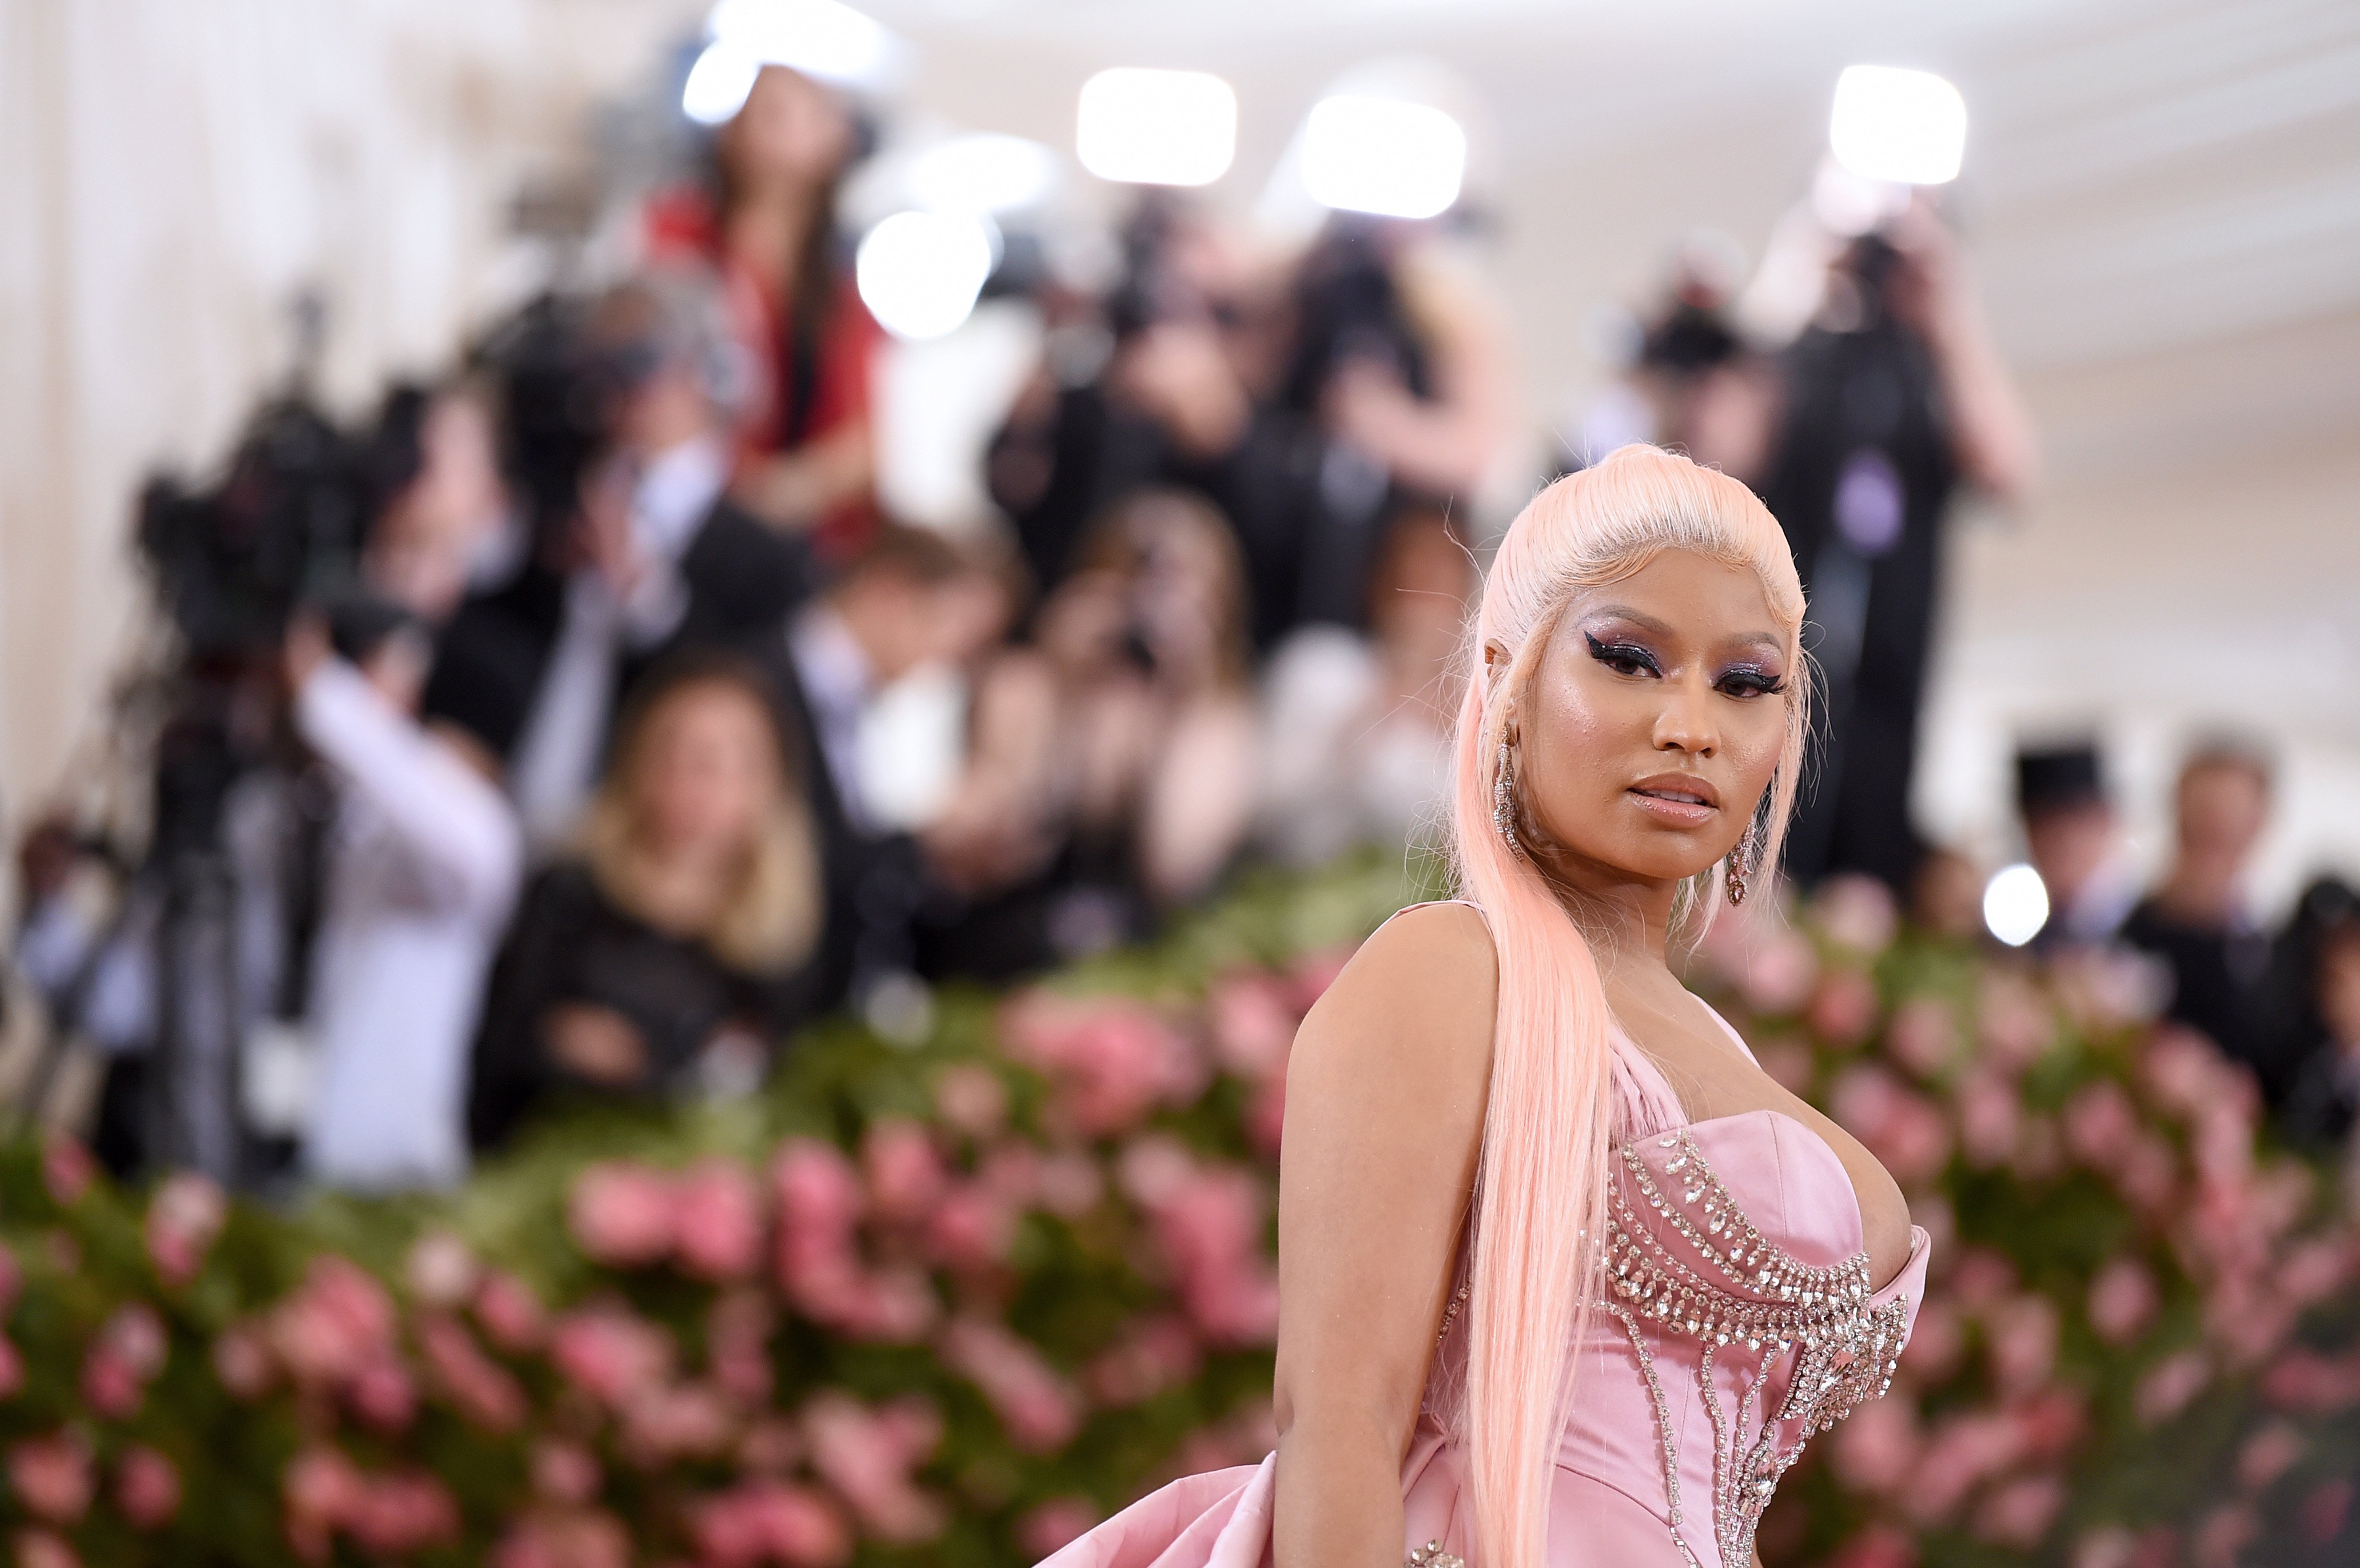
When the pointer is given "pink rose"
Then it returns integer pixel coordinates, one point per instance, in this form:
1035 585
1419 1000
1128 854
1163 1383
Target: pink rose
1113 1060
2123 1299
2021 1342
2147 1174
622 1215
970 1229
2221 1541
1856 912
2171 1384
403 1512
242 1361
2269 1453
719 1217
2187 1075
67 1169
817 1189
867 1459
1036 1407
1875 1446
1253 1024
1843 1009
2309 1383
2324 1509
588 1538
905 1174
762 1522
511 1314
1266 1116
1935 1343
2100 1124
971 1098
52 1476
40 1548
1961 1451
1901 1127
2013 1020
1989 1118
1072 1183
338 1321
685 1421
1047 1526
383 1394
441 1270
1779 972
483 1392
1878 1546
738 1329
183 1217
1789 1062
2313 1271
2020 1513
611 1353
564 1472
1150 1356
893 1305
147 1488
124 1359
322 1492
1924 1036
1310 975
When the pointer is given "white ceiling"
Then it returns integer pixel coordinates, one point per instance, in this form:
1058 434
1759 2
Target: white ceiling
2163 204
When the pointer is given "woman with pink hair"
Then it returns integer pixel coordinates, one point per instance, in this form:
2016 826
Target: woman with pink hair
1566 1279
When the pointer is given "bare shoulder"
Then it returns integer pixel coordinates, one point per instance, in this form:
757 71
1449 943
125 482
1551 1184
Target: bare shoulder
1416 999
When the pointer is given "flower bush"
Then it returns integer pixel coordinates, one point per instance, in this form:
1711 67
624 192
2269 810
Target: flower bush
2127 1358
953 1302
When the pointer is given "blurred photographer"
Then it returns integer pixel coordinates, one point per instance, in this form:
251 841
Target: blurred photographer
654 556
1894 396
422 864
804 450
1113 762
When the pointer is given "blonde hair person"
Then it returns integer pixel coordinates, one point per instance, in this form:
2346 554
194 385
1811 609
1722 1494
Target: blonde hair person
1565 1278
679 944
767 917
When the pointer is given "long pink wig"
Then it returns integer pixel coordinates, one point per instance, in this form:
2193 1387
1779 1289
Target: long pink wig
1541 1180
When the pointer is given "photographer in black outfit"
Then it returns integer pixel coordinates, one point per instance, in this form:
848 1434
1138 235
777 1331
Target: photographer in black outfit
1311 411
619 419
1892 397
678 945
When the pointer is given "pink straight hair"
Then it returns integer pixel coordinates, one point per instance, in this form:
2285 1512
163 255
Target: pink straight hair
1541 1177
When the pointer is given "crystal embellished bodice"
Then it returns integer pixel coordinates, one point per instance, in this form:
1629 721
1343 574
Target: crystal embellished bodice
1720 1309
1734 1318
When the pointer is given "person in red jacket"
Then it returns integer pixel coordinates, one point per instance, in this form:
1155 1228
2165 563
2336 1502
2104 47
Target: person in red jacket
767 224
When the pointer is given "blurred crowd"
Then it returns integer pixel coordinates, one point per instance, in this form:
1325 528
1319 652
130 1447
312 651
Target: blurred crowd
641 736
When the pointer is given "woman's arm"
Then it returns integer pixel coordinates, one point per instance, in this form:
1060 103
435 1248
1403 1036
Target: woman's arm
1384 1116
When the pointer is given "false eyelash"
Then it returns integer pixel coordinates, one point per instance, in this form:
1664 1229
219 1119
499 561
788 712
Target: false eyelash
1605 651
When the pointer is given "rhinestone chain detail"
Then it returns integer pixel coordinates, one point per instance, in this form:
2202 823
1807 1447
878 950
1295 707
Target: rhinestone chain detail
1845 1350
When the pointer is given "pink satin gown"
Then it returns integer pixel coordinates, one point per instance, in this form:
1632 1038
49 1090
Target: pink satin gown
1736 1318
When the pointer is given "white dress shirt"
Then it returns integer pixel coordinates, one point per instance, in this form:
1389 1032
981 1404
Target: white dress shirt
422 867
564 736
838 682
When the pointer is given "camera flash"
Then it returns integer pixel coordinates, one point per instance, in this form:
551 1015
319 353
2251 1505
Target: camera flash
1909 127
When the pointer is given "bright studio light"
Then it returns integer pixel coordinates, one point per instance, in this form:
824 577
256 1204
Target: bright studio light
1909 127
2015 904
982 172
1383 156
718 83
1156 127
918 273
822 38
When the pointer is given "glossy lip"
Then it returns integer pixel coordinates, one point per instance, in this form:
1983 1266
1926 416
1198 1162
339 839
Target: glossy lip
1650 795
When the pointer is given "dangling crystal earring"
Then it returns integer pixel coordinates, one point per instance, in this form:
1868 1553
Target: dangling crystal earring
1738 867
1503 804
